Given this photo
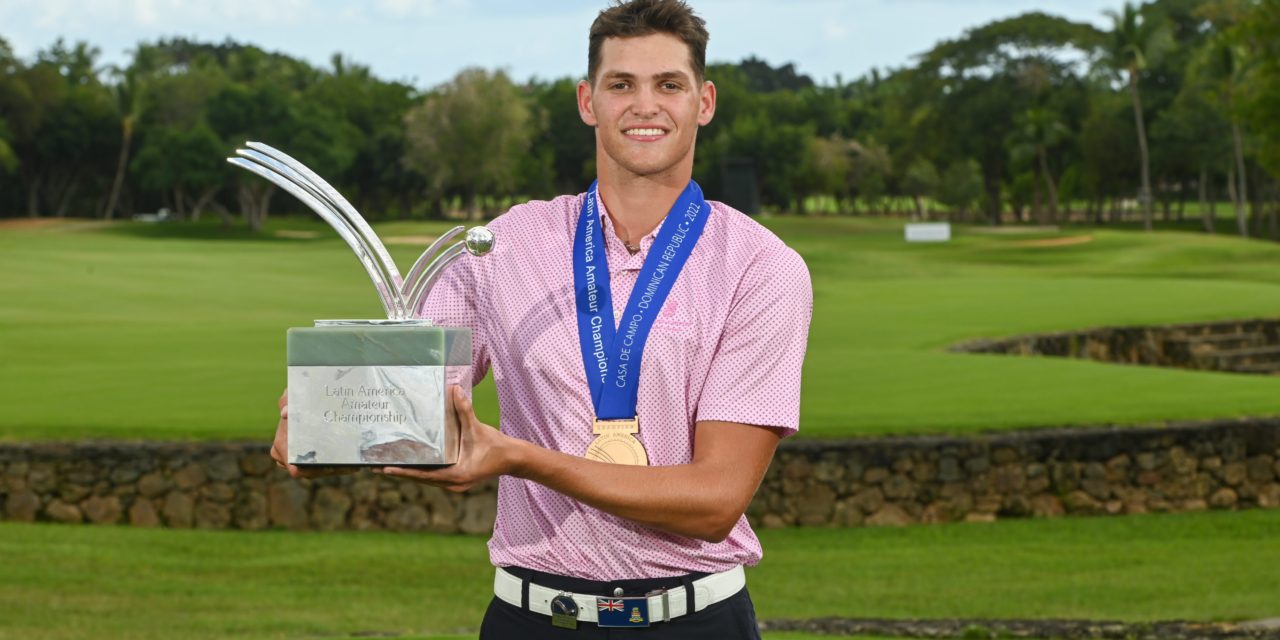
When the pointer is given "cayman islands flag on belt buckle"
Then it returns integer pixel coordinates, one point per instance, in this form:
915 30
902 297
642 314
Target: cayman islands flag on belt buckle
622 612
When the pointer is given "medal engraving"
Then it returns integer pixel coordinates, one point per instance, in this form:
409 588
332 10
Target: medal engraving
626 425
618 448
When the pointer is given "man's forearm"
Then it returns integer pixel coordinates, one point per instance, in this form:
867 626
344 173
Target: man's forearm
702 499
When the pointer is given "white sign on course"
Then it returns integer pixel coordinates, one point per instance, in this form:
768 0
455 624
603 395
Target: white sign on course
928 232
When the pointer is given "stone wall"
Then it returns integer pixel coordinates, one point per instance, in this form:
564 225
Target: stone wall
1239 346
878 481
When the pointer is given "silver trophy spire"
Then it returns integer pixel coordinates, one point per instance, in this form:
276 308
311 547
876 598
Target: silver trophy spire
400 297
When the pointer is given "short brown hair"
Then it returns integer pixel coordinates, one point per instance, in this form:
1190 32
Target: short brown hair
637 18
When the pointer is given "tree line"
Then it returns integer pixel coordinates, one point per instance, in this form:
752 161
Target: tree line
1031 118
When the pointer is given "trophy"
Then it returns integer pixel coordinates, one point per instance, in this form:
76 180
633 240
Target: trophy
372 392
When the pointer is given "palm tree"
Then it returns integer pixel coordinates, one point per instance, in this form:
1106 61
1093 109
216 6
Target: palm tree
1138 40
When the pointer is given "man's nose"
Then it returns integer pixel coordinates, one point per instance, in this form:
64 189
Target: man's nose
645 104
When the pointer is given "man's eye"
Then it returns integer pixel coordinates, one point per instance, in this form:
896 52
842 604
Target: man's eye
618 85
670 86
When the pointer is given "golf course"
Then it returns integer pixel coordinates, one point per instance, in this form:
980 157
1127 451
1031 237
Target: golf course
175 332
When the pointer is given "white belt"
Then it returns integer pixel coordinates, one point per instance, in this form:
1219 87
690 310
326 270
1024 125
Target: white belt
664 606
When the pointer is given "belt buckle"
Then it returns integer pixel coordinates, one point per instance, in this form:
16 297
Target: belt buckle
622 612
564 612
666 602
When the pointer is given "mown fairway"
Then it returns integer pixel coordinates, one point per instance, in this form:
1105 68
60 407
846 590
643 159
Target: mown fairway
177 331
79 582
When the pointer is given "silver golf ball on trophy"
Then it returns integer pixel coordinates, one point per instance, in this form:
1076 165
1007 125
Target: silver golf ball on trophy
372 392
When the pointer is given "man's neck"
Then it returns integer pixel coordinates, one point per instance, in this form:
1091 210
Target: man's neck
638 204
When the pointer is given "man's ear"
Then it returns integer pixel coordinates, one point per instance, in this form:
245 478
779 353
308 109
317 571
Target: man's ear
707 103
585 110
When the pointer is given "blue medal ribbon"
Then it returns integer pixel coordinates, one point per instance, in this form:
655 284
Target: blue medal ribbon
611 355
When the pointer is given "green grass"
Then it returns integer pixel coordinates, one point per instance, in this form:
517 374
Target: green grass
77 582
177 331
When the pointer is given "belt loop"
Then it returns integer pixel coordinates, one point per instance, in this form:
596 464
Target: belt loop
524 590
687 581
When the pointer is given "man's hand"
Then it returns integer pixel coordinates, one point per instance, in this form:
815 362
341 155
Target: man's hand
484 452
280 449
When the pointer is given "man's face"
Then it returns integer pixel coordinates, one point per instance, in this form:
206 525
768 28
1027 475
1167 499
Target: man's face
646 104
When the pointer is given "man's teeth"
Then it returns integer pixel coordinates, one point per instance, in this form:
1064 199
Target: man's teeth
644 132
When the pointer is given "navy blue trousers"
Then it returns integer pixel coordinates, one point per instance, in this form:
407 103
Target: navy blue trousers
731 619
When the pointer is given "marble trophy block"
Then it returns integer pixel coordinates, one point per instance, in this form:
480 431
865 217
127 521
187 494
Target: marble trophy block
375 394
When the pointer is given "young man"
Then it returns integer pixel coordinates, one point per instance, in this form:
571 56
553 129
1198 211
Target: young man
647 348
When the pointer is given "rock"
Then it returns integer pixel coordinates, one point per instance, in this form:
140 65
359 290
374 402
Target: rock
814 508
890 515
190 476
218 492
924 472
875 475
73 493
1194 504
42 479
287 504
143 514
828 471
1182 463
1259 469
123 474
980 517
1269 496
899 487
250 511
1065 476
256 464
1223 498
212 515
1149 478
178 510
949 470
1081 502
1004 455
1096 487
1211 463
797 468
153 485
22 506
410 517
1147 461
329 508
773 521
1114 507
223 467
103 510
1094 471
59 511
1008 479
847 514
478 513
1234 473
869 500
443 509
1047 506
388 499
977 464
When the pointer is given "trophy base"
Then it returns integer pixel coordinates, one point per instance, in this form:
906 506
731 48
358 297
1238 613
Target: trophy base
375 394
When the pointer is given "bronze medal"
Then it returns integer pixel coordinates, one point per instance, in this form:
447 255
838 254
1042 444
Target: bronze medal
616 443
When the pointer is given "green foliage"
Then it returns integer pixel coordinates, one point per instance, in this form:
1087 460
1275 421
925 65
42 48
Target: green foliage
1172 98
468 136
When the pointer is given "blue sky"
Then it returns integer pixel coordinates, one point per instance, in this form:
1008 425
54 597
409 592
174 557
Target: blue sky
427 41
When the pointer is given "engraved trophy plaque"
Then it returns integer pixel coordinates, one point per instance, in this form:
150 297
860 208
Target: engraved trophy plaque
372 392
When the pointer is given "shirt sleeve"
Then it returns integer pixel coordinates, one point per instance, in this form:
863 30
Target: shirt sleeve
453 302
755 374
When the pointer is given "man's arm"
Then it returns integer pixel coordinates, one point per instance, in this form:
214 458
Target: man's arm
702 499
